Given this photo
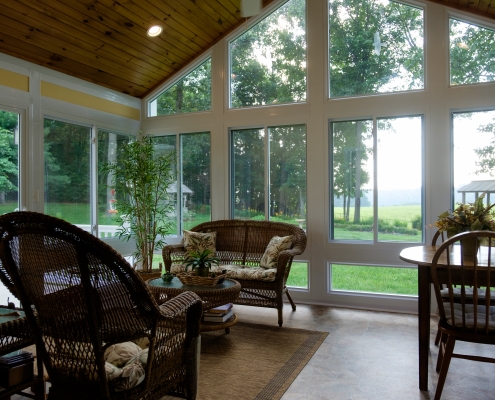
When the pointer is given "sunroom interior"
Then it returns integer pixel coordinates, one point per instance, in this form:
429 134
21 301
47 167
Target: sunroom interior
263 113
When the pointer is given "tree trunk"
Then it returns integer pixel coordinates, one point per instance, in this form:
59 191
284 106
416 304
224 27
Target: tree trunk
2 197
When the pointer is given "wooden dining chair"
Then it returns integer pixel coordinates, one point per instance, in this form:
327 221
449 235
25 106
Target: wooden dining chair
469 292
463 316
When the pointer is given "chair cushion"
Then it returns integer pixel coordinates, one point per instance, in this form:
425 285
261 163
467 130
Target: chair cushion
247 273
198 242
469 293
276 245
470 316
237 272
124 365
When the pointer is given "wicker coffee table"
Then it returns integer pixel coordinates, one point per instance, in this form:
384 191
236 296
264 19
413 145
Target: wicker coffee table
212 296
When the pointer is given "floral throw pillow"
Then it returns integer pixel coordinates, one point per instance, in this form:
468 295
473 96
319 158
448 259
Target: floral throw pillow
276 245
198 242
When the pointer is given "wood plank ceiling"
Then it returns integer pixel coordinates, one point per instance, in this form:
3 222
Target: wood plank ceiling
105 41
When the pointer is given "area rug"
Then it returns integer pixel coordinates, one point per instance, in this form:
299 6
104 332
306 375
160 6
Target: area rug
253 362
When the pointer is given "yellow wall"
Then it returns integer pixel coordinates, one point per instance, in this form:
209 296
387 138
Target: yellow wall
86 100
14 80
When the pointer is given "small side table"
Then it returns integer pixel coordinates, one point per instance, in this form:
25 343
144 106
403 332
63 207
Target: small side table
15 334
212 296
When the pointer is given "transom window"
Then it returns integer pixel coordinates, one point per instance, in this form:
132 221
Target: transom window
375 46
268 62
192 93
472 57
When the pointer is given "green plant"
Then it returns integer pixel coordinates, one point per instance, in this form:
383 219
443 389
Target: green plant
201 259
141 178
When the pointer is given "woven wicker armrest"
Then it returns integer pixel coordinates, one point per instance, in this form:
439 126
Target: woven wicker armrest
173 253
177 305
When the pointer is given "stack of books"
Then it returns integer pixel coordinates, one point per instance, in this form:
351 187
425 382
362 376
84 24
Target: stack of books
219 314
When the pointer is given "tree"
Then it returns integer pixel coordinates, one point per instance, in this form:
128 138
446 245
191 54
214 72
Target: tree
8 164
190 94
486 158
9 172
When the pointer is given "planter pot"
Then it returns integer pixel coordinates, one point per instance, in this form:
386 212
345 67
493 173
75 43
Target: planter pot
202 271
470 247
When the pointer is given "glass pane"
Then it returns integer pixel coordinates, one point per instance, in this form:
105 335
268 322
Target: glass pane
352 180
298 276
376 46
474 155
195 169
109 144
164 145
371 279
399 175
192 93
67 151
9 162
248 174
288 174
268 62
472 59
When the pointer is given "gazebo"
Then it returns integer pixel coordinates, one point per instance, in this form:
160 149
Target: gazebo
185 191
478 187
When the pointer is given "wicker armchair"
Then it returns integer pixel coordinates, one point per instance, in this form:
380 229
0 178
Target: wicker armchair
243 242
81 297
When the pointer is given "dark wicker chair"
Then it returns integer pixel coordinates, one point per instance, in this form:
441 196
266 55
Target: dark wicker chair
465 314
243 242
80 297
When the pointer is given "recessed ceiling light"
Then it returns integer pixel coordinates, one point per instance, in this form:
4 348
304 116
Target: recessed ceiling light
154 31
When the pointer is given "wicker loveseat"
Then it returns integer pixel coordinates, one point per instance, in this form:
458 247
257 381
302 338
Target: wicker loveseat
240 245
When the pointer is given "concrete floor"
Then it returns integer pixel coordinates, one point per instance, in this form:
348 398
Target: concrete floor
372 355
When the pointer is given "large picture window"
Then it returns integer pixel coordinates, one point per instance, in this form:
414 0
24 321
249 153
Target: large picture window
268 62
67 153
273 158
365 157
375 46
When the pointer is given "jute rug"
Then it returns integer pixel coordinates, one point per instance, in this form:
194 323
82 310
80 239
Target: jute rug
253 362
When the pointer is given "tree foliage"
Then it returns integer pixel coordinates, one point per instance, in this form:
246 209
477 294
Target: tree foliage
190 94
355 68
268 62
472 54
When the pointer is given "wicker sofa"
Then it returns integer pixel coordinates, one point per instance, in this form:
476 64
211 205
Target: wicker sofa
241 244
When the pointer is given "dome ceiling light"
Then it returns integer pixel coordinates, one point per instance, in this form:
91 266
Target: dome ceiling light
154 31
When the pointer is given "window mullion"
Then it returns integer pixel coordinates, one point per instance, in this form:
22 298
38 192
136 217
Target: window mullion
375 181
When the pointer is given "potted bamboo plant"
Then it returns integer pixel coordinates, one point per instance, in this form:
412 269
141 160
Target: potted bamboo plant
140 179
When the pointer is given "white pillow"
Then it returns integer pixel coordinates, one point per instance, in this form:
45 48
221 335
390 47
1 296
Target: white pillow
276 245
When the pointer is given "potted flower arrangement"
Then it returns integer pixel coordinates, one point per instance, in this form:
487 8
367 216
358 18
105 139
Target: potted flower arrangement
467 217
